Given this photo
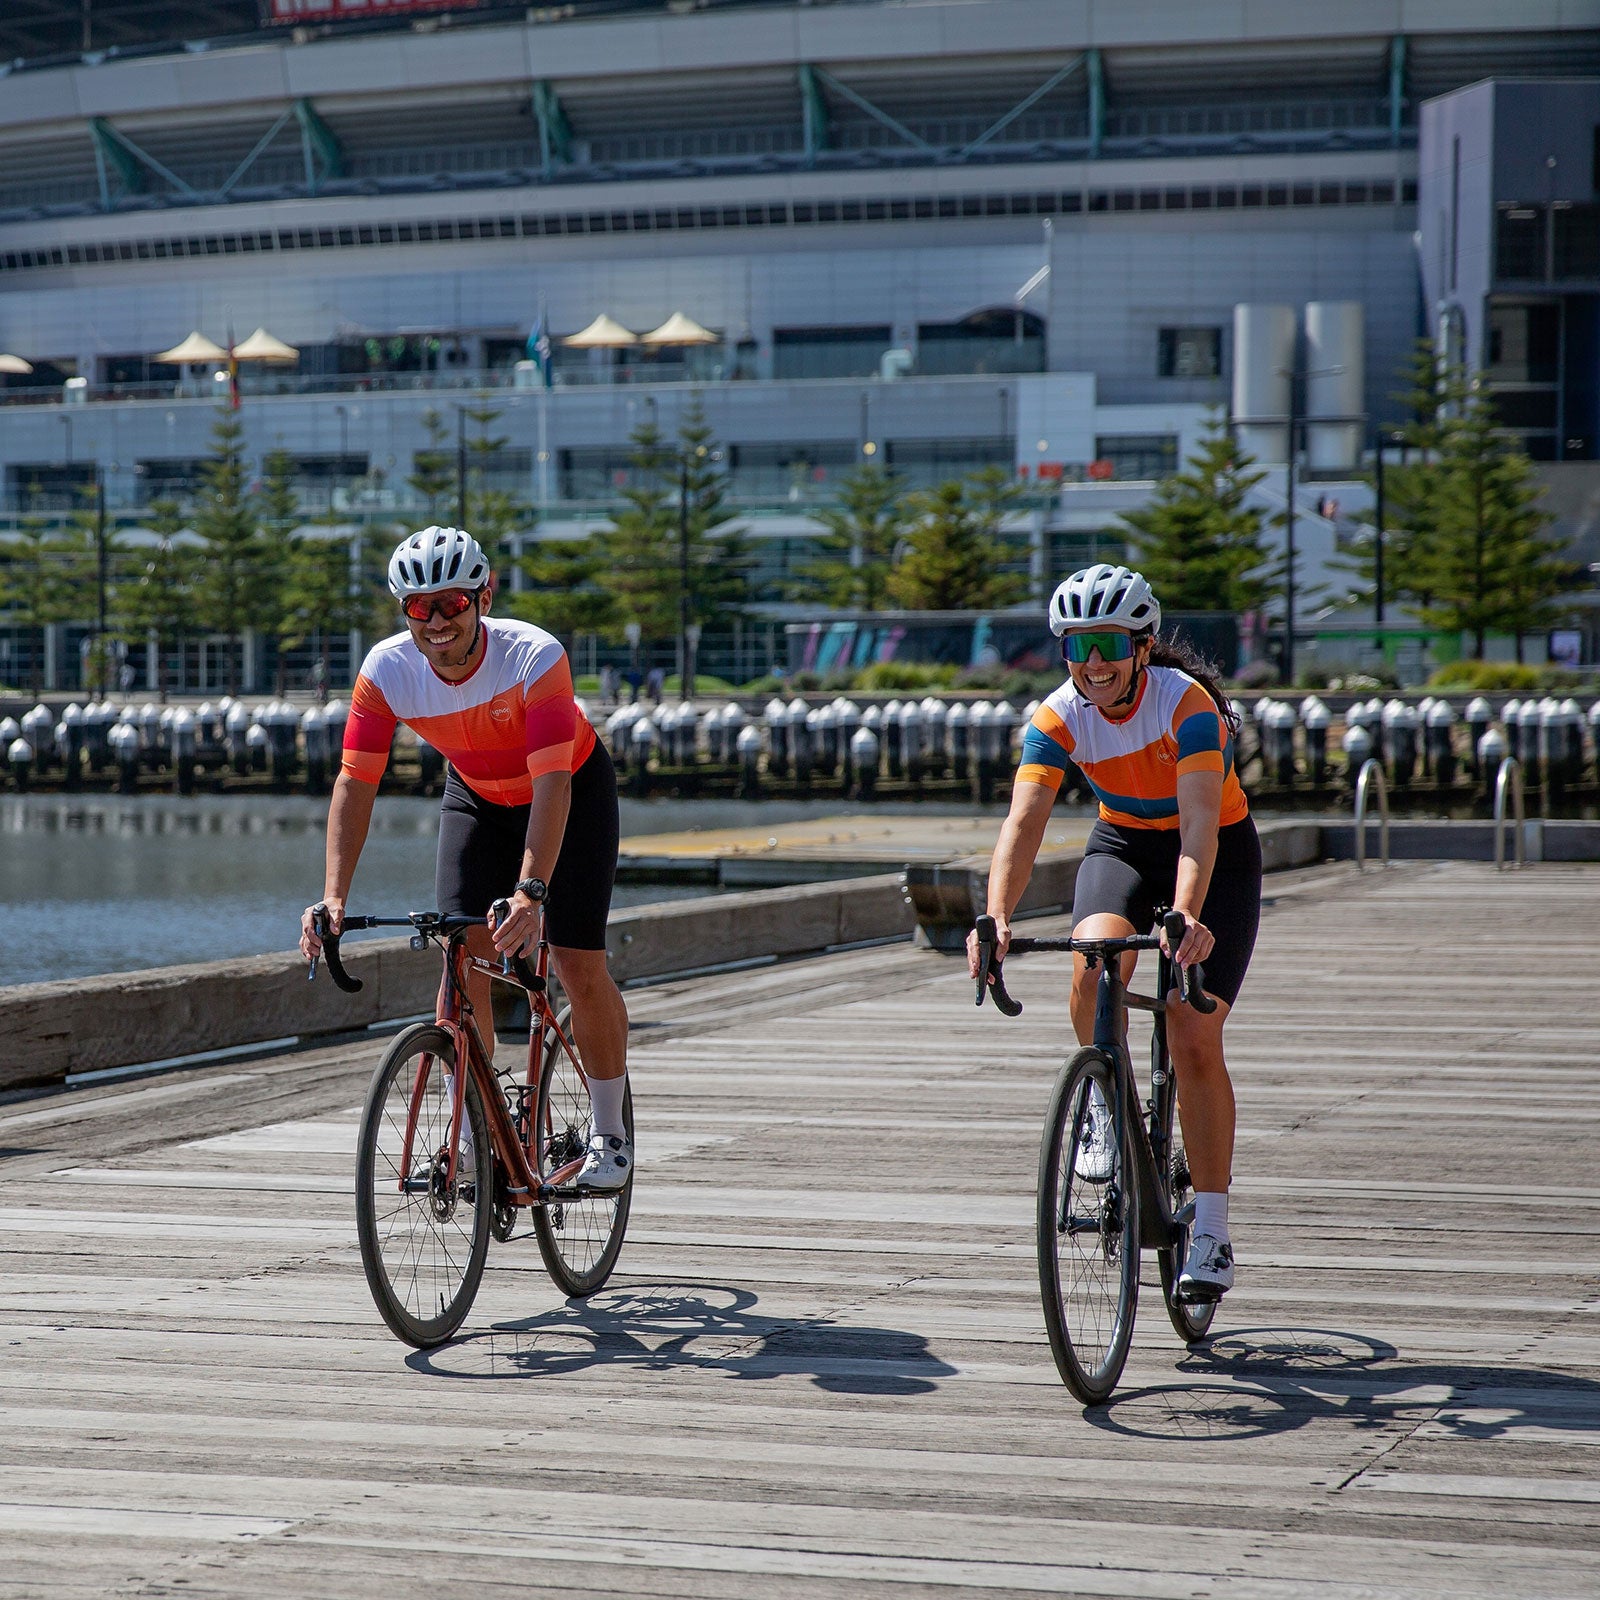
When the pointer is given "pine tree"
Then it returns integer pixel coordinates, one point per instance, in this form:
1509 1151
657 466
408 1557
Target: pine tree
567 591
955 552
433 473
240 570
856 554
1413 487
1199 541
1489 566
157 594
41 583
719 553
636 552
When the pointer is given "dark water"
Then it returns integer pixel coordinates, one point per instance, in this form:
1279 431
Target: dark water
108 884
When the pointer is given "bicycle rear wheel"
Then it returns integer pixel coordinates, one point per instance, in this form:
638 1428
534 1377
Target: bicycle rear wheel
424 1237
581 1237
1088 1232
1191 1322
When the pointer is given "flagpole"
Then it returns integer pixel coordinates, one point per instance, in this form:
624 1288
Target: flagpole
544 408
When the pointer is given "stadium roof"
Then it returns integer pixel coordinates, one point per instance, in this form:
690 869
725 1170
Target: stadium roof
57 30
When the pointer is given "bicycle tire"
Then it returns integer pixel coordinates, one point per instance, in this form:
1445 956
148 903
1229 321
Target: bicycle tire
579 1239
1190 1321
422 1247
1088 1264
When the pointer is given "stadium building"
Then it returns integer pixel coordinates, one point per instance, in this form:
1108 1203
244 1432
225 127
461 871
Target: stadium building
939 233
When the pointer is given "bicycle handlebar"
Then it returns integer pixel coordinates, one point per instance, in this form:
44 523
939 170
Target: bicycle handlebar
427 923
1191 979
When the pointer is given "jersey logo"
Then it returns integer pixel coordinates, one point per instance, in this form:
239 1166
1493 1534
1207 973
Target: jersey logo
499 711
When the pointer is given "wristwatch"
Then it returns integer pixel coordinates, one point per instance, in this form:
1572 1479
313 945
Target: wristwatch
535 888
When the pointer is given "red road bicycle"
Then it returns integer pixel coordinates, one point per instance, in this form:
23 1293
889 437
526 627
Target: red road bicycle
444 1158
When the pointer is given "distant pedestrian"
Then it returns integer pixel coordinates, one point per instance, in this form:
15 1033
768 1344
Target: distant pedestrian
656 684
633 677
608 684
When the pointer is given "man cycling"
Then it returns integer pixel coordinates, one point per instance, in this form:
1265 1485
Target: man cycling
530 800
1152 733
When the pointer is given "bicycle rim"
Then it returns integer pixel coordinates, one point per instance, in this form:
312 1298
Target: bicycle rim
580 1238
1190 1322
423 1238
1088 1236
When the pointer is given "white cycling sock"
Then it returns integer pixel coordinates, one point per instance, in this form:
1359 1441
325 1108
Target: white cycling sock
1211 1215
605 1098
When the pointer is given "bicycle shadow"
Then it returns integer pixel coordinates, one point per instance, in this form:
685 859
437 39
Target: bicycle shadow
1274 1380
710 1328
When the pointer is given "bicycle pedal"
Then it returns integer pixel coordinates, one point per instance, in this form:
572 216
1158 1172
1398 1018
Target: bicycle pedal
1199 1296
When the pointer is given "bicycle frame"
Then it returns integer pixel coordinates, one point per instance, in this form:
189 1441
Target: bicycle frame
1113 1000
456 1018
524 1186
1158 1227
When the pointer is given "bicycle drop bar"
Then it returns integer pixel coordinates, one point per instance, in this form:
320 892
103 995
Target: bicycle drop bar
1191 979
425 922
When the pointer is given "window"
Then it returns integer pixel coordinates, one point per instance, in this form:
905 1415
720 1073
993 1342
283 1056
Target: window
1138 455
1577 242
1519 243
1189 353
995 340
840 352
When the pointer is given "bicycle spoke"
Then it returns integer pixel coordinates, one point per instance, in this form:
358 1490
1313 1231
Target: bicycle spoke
423 1243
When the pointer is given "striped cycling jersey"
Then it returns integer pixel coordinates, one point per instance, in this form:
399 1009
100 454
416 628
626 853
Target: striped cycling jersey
1133 763
512 719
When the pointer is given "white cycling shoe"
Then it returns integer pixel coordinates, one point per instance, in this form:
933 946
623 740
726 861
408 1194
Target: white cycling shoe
1095 1159
1208 1273
608 1164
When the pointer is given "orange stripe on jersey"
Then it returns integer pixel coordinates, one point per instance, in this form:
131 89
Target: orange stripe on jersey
511 720
1031 772
1047 721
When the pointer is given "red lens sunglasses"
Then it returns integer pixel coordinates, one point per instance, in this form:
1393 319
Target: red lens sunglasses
450 603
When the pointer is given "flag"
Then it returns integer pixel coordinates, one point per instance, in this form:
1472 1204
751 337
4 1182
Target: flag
538 348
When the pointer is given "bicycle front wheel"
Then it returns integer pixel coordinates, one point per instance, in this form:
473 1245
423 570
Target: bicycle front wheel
424 1235
1088 1229
581 1237
1190 1320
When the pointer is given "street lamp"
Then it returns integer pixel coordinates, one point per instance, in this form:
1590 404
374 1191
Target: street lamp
1382 438
688 633
1296 376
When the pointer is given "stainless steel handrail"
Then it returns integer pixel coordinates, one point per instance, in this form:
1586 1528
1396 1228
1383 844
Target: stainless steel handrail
1509 777
1371 772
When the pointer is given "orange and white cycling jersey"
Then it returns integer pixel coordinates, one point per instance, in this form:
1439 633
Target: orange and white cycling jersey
1133 763
511 720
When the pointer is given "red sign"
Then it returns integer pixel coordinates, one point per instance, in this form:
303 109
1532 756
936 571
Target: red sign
281 11
1101 470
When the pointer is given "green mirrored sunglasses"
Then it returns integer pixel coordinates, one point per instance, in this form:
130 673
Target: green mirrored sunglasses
1075 647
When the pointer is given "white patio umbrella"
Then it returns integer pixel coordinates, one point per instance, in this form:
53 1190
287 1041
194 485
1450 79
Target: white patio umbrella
604 333
679 329
16 365
193 349
263 346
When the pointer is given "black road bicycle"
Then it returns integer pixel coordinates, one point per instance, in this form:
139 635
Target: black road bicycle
1107 1192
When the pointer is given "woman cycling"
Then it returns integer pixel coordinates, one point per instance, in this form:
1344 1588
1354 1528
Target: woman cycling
1146 723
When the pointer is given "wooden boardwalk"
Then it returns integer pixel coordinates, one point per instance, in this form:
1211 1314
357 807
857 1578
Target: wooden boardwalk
821 1369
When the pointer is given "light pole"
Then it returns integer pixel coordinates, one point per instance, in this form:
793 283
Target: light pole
688 632
1296 376
101 554
461 468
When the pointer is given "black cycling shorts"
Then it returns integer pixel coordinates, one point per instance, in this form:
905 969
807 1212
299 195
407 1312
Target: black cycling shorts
481 845
1128 872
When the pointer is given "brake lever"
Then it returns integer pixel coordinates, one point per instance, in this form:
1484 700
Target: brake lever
990 981
1191 979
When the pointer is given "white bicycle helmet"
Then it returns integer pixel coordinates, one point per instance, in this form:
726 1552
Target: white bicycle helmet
1101 595
437 558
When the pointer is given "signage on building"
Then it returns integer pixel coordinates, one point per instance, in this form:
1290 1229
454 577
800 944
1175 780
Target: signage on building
280 11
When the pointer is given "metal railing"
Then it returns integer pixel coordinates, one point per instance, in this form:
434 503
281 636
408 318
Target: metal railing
1508 781
1371 773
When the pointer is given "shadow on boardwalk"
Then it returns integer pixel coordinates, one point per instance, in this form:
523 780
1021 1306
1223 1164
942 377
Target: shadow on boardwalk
1256 1382
709 1327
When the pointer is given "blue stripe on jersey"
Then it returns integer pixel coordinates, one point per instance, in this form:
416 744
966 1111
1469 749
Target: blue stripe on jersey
1130 806
1198 734
1040 750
